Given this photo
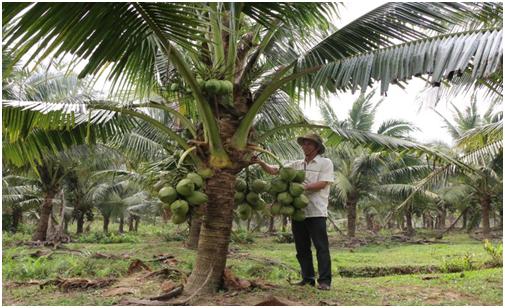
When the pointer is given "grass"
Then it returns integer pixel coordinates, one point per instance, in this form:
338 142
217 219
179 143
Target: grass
258 257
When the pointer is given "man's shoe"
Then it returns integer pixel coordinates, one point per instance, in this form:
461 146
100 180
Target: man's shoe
305 282
324 286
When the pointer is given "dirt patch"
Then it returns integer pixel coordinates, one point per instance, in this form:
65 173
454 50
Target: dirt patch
259 298
427 295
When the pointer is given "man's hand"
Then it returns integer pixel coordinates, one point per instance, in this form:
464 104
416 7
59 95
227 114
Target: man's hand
255 160
269 169
315 186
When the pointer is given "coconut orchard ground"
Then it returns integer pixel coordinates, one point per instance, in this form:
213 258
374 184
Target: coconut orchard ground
255 257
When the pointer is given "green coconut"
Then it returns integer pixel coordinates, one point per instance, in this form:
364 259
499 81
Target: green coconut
197 198
213 86
167 194
179 207
269 187
240 185
178 219
300 176
252 198
277 186
287 174
259 186
226 87
239 197
287 210
275 209
185 187
284 198
260 205
195 178
296 189
244 211
205 172
298 215
200 82
301 202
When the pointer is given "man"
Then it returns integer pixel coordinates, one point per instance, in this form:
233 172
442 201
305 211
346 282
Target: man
318 176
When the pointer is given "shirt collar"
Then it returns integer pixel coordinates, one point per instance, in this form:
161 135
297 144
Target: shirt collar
315 159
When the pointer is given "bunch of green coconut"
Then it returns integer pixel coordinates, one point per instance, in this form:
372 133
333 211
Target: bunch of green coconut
248 197
211 86
288 192
215 86
186 194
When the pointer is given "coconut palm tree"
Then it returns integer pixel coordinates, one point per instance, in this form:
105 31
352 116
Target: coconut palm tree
480 147
20 193
358 168
246 53
485 183
80 181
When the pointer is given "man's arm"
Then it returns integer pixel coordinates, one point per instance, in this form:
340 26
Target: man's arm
273 170
316 186
326 177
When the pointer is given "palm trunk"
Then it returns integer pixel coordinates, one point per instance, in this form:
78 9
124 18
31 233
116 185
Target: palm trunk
17 218
485 204
130 223
369 222
271 225
194 228
351 218
137 221
442 218
121 224
45 213
214 236
106 220
409 228
80 223
284 223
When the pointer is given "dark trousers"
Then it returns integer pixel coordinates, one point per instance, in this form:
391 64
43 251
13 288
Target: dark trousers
312 229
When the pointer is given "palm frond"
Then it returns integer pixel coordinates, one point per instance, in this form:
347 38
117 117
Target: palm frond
440 57
138 147
451 128
301 15
401 191
396 128
481 154
112 32
279 110
30 203
407 173
385 26
480 136
376 142
343 187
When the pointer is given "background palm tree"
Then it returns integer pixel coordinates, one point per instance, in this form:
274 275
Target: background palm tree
358 168
261 49
485 184
20 193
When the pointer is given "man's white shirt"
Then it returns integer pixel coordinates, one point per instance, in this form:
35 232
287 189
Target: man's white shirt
318 169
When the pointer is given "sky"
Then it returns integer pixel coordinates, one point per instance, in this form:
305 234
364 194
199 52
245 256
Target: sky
405 104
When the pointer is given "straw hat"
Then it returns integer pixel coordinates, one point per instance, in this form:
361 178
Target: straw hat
315 138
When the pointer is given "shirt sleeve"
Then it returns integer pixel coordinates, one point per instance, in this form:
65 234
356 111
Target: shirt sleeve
292 164
326 173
